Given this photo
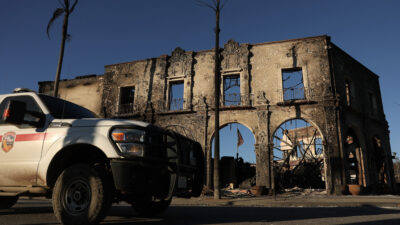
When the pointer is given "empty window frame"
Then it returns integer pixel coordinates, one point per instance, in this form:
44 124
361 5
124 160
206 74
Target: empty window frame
126 99
176 95
293 84
372 103
232 90
348 87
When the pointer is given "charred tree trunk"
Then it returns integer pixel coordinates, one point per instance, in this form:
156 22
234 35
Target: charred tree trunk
217 193
61 56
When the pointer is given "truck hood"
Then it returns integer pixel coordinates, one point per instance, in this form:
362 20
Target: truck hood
99 122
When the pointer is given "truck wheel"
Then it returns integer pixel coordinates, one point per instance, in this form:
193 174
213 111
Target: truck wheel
80 196
7 201
149 207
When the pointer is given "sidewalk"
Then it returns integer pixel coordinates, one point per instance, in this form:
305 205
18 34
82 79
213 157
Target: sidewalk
294 201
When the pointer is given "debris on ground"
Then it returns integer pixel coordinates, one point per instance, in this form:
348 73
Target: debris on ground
297 191
236 193
250 192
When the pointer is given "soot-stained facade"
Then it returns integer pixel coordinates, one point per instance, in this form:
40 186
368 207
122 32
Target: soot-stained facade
262 86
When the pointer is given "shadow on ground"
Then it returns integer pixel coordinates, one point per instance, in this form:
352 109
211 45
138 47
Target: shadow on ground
194 215
234 215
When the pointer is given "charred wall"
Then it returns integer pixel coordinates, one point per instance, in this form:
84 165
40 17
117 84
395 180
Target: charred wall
84 90
265 102
361 112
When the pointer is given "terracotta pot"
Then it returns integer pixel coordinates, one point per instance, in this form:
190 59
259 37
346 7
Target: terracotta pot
257 190
354 189
344 189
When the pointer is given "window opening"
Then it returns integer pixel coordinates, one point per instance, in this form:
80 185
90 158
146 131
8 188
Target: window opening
348 92
293 85
176 96
126 100
372 103
232 90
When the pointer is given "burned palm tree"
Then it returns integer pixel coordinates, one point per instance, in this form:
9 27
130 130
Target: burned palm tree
66 9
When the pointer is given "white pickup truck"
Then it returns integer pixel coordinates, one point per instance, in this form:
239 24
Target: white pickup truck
54 148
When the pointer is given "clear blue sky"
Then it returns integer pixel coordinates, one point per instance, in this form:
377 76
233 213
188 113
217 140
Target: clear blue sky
113 31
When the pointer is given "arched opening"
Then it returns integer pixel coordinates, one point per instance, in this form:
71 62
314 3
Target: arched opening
355 160
238 159
298 156
379 161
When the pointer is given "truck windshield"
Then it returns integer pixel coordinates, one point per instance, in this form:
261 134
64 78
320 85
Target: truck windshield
61 109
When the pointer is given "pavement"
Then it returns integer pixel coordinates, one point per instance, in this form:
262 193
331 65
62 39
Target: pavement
383 201
280 200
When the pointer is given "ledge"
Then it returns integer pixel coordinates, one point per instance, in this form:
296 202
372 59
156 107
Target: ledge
235 107
297 102
185 111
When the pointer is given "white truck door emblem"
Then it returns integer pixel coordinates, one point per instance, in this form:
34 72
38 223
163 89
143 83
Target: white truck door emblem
7 142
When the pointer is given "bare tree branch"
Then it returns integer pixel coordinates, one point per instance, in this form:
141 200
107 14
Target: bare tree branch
61 3
73 6
205 4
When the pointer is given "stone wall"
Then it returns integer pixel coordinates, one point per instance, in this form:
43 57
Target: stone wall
83 90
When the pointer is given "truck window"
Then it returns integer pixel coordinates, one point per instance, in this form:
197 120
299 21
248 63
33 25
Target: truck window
61 109
172 147
31 105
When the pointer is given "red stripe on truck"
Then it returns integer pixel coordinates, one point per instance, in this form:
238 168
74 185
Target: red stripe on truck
38 136
30 137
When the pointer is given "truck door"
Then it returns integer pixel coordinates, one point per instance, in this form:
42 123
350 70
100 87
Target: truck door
21 146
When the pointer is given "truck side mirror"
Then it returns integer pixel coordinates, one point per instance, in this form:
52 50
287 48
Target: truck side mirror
14 112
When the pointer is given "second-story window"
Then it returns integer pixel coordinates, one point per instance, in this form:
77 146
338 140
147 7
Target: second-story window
372 104
347 85
176 95
126 99
232 90
293 84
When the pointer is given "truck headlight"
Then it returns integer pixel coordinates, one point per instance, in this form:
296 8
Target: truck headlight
129 141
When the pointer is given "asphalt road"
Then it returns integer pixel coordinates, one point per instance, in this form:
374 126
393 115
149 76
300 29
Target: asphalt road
35 212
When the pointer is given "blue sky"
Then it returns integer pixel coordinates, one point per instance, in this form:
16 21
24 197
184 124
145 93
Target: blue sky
113 31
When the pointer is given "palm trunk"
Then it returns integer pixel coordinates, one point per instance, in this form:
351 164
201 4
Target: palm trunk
217 193
61 56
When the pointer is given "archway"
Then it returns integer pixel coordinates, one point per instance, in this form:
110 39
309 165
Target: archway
238 159
379 161
298 156
355 160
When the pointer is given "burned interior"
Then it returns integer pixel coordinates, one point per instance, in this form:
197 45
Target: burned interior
315 112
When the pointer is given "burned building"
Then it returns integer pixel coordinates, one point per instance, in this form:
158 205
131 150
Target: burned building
264 87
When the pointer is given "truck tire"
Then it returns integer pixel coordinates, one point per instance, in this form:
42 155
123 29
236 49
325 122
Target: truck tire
7 202
149 207
80 196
